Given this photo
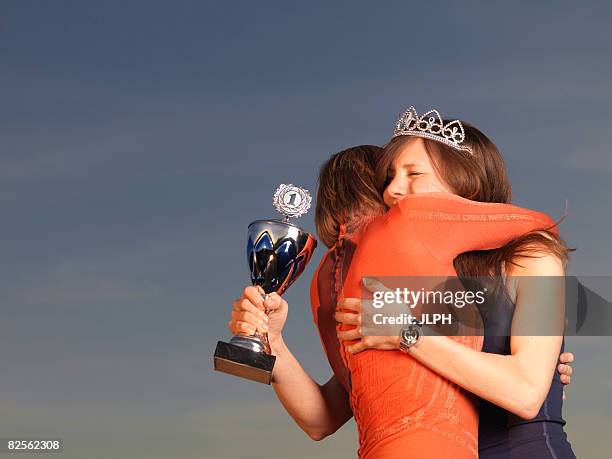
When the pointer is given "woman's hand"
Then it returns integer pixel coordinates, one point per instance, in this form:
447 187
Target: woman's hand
319 410
565 369
248 313
353 317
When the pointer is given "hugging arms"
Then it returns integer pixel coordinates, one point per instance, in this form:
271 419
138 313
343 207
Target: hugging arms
515 375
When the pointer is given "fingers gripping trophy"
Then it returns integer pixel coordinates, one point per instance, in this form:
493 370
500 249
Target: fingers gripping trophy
277 253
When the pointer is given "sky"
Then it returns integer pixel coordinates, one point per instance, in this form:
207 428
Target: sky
139 139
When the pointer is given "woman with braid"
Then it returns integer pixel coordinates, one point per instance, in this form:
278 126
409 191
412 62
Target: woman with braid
349 202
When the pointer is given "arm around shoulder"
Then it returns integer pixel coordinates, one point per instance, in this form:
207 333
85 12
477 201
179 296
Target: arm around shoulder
518 382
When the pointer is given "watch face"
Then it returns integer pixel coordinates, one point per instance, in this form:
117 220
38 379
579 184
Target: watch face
410 334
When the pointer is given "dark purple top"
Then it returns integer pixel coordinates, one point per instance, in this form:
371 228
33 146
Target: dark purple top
503 435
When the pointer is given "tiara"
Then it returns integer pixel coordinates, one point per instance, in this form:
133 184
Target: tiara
451 134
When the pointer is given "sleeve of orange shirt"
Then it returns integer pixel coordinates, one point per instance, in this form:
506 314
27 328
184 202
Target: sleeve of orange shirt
449 225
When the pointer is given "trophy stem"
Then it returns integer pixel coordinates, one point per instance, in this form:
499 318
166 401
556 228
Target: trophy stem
247 356
258 342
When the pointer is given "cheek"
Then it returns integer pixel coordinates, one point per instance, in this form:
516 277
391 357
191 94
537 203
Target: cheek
422 186
427 185
387 198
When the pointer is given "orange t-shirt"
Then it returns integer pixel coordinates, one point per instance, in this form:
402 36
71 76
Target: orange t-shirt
400 406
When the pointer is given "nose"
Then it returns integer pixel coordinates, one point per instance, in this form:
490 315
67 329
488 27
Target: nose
397 190
397 193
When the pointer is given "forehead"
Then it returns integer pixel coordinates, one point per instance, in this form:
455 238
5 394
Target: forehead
411 152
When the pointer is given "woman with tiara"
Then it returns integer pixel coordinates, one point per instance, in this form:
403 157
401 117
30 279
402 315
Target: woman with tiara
410 422
521 409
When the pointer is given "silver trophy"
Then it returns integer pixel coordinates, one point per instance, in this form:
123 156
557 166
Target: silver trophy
277 253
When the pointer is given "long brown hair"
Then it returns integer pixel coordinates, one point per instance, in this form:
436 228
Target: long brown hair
479 177
347 190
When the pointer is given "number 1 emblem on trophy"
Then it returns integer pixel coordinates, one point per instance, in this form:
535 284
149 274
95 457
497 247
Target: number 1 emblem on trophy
277 253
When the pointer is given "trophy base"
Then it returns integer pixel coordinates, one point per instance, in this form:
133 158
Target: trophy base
245 363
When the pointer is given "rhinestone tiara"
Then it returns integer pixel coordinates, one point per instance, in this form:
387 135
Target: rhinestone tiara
430 126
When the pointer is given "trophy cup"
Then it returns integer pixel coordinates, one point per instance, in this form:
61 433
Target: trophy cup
277 253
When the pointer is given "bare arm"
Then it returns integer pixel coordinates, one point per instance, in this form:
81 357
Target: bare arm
518 382
319 410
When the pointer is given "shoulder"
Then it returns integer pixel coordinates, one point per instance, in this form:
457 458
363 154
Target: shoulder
532 258
535 258
323 264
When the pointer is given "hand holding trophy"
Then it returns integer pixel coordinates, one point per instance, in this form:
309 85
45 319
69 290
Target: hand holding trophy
277 253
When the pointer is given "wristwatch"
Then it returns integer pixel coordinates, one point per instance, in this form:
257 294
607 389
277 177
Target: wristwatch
409 336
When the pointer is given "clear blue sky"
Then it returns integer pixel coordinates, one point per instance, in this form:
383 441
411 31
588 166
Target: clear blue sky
138 139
